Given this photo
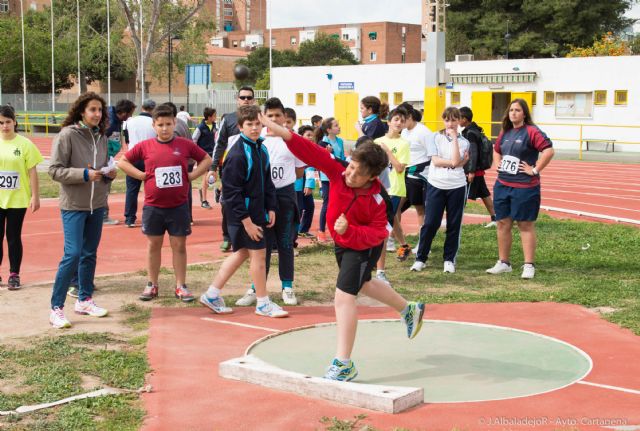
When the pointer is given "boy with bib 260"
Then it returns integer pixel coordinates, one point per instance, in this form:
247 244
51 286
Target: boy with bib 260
166 188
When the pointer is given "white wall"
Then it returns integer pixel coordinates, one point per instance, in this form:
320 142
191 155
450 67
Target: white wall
557 75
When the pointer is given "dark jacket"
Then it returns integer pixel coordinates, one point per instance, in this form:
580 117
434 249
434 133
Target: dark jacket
473 134
228 128
247 188
375 128
115 125
207 137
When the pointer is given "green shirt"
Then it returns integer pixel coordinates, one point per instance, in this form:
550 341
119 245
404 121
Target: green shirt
401 150
17 156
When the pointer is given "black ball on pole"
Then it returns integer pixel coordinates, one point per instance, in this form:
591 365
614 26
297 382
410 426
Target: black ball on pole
241 72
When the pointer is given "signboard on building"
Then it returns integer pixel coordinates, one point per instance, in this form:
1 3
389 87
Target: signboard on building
198 74
346 86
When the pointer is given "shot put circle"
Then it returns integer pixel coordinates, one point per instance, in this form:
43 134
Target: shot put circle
452 361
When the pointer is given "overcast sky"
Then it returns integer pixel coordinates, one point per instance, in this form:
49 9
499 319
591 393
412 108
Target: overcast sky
301 13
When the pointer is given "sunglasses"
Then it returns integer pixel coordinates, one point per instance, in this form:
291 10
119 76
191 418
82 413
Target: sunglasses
245 97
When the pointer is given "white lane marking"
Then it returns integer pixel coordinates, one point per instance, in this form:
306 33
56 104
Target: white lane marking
613 388
588 214
590 204
244 325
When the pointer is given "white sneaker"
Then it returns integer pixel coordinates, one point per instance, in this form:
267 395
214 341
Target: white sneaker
418 266
57 319
382 276
491 224
415 249
289 297
499 268
249 298
391 245
270 309
449 267
528 271
216 305
89 308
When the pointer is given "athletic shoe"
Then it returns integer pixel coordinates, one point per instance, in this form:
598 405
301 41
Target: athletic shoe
73 291
14 281
449 267
270 309
322 236
205 205
415 249
499 268
413 318
130 224
216 194
216 305
491 224
149 292
391 244
403 252
418 266
341 372
183 294
382 276
307 235
57 319
249 298
528 271
110 221
89 308
289 297
225 246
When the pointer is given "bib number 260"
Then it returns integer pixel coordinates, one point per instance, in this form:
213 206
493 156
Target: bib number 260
170 176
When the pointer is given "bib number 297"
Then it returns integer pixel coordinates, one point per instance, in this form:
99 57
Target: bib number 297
509 165
169 177
9 180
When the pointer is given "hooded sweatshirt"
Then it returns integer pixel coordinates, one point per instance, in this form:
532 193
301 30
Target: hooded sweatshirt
76 149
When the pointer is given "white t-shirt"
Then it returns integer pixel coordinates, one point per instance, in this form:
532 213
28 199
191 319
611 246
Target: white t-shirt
419 138
184 116
139 128
282 161
446 178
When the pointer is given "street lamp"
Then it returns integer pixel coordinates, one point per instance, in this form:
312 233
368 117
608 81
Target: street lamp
170 55
507 38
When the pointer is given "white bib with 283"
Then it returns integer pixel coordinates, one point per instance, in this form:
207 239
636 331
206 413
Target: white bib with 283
169 176
9 180
509 165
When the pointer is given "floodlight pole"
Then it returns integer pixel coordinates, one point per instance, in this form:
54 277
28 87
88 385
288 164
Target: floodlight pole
24 70
53 62
78 43
270 45
141 55
108 55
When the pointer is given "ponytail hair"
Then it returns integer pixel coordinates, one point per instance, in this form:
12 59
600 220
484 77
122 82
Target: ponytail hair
376 106
322 131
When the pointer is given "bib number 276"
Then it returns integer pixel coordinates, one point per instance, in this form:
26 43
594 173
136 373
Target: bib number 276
509 165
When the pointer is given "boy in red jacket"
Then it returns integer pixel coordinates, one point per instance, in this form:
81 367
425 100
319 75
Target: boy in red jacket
357 221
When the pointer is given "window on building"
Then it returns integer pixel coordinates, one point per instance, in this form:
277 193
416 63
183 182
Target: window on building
293 40
235 43
574 105
228 25
373 56
549 97
273 42
600 97
455 98
398 98
299 99
373 35
227 11
534 98
345 36
311 98
384 97
4 6
242 44
621 97
33 6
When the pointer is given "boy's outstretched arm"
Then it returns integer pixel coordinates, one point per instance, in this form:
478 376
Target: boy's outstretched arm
305 150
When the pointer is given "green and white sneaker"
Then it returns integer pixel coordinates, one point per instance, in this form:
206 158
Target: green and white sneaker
341 372
413 318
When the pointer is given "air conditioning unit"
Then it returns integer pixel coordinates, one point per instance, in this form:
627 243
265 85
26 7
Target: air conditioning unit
464 57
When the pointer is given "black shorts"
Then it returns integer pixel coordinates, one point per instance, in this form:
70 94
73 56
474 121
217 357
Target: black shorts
416 191
478 188
355 267
176 221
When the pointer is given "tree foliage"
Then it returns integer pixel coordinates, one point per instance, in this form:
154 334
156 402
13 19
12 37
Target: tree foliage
93 47
324 50
607 45
538 28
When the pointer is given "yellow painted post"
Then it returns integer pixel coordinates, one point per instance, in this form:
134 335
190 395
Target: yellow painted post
434 105
580 147
482 106
46 124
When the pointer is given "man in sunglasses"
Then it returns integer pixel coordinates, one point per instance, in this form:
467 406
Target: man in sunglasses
228 128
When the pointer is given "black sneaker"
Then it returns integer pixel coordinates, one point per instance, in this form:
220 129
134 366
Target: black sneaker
130 224
205 205
14 282
216 194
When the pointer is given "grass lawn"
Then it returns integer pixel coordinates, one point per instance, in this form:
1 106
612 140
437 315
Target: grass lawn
604 274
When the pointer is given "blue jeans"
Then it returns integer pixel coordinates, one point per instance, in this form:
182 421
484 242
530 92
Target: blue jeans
324 190
306 207
82 231
131 198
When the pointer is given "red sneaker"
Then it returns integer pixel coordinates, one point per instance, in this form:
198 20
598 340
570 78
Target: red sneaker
183 294
149 292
